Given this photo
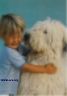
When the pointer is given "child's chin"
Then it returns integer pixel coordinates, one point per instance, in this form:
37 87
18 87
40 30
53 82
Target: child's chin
15 47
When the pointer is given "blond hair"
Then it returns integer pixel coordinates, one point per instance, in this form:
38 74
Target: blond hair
10 23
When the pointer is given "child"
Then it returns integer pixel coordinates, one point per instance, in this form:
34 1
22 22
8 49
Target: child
11 28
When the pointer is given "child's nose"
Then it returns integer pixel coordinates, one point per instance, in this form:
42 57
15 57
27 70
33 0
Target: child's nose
15 40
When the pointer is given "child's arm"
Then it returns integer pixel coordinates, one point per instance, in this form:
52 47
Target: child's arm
39 68
18 61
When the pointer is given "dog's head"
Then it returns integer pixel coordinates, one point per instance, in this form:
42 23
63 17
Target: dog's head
48 34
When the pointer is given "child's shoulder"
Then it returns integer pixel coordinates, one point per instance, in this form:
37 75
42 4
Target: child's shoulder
13 53
9 50
23 49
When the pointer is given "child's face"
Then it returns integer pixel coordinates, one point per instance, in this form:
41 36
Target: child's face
13 41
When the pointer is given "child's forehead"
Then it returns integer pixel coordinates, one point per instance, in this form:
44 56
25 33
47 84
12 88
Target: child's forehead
15 34
16 31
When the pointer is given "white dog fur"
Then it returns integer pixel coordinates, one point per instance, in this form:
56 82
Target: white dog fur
47 39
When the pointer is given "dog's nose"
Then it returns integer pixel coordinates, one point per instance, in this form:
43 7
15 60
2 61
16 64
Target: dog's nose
26 36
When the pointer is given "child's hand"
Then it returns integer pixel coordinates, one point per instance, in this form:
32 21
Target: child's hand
50 69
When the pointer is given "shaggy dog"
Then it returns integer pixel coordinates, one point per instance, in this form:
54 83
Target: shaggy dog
47 40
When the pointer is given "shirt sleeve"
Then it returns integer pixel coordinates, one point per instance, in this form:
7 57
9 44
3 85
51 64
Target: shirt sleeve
16 58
